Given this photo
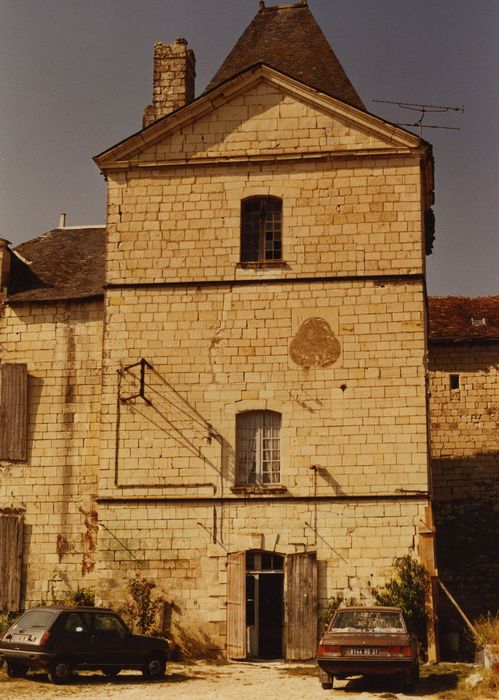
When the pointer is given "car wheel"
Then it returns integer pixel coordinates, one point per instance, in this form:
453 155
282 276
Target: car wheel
327 686
411 678
60 671
16 670
111 672
154 667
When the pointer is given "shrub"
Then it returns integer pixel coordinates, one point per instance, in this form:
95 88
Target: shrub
487 631
73 598
408 590
6 619
333 604
141 608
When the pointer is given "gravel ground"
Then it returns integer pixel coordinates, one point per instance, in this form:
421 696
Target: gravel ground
230 681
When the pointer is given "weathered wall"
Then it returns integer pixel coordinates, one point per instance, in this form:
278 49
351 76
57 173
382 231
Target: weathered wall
465 457
218 351
343 218
56 485
184 546
221 338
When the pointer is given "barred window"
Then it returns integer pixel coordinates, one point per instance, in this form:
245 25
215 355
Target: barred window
261 229
258 447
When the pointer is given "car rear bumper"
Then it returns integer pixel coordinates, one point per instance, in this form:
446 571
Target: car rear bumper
34 659
360 667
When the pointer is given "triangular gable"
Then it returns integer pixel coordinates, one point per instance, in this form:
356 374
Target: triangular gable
259 113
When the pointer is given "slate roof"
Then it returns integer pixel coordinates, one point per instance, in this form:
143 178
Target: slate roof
288 39
463 318
63 264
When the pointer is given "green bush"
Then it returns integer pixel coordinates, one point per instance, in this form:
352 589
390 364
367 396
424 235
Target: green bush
408 590
141 608
333 604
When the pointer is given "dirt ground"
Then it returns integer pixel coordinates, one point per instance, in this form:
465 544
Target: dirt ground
237 681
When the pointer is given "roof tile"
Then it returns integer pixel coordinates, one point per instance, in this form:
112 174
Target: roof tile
63 264
288 39
463 318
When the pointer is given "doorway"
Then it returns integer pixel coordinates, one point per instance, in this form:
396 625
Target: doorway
264 604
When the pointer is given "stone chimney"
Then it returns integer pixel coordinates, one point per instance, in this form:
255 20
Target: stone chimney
173 80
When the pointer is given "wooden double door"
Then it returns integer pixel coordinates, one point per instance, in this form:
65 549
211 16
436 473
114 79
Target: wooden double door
272 605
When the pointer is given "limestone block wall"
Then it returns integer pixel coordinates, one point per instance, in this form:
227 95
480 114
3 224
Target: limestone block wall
219 350
167 488
465 471
341 218
56 485
184 548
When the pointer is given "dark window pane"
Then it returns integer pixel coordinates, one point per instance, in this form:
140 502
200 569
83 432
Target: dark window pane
261 224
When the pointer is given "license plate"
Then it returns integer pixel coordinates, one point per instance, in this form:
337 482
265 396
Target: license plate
21 638
363 651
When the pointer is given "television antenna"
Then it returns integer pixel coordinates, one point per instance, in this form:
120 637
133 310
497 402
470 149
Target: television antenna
423 111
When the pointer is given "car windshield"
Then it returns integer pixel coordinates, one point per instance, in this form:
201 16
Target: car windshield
367 621
35 618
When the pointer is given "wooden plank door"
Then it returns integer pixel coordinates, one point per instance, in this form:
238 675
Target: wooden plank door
11 555
236 605
301 606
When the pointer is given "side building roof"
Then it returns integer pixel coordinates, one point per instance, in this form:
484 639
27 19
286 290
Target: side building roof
62 265
288 39
460 319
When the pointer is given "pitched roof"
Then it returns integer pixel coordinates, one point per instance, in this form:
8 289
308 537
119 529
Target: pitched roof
287 38
63 264
463 318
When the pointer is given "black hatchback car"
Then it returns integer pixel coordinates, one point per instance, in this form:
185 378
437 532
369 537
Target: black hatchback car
63 639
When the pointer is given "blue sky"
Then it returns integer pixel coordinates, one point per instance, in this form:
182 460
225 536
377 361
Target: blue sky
76 75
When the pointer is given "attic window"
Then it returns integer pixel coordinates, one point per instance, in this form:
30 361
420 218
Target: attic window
478 321
454 382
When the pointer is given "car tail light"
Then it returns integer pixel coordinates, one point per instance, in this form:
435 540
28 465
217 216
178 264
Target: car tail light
399 651
44 639
329 650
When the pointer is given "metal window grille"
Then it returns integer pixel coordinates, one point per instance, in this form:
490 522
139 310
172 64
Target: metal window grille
258 447
261 229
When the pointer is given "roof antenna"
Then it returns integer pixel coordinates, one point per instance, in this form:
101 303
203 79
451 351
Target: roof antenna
424 110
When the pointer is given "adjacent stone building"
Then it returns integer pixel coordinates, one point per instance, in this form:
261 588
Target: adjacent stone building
226 388
464 406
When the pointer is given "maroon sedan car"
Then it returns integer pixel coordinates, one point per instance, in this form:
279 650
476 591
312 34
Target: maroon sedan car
368 641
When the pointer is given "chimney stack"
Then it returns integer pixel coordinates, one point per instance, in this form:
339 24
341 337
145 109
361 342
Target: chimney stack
173 80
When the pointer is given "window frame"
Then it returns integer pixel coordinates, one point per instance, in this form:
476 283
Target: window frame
264 428
267 217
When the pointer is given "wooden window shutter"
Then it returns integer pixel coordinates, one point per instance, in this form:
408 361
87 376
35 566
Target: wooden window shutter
11 555
14 412
301 606
236 605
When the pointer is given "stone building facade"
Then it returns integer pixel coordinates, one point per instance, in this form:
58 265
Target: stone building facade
464 403
230 397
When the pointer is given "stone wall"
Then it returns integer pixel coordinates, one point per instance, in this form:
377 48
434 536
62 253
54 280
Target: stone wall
465 458
56 486
183 547
217 337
